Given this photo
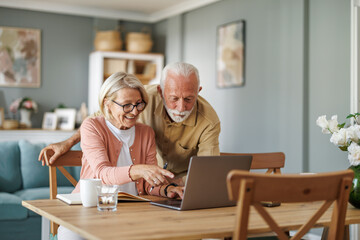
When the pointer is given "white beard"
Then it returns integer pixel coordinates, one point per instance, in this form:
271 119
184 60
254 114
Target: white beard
174 114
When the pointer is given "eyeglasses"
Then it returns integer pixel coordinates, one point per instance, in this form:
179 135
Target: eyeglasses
129 107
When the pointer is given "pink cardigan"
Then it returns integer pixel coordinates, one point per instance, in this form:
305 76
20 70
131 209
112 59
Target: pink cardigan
101 150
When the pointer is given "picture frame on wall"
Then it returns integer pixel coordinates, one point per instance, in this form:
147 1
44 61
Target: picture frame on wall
49 121
20 57
65 118
230 61
2 117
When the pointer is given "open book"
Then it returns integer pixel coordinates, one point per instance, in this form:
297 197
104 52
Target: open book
123 196
70 198
74 198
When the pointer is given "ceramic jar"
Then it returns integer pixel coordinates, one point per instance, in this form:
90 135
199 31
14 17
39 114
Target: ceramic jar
25 117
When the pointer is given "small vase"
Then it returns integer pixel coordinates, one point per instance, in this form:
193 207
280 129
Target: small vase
354 197
25 117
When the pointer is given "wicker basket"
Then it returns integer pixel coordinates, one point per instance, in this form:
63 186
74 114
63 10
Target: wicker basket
138 42
10 124
108 41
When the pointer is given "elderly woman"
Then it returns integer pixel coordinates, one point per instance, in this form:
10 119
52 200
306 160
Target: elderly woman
116 148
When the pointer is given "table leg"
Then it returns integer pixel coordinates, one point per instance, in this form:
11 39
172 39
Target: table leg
45 228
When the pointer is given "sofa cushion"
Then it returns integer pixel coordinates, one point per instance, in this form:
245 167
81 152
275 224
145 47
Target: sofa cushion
11 208
10 176
33 173
29 229
39 193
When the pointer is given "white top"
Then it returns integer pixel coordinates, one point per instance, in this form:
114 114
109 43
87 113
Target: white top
127 137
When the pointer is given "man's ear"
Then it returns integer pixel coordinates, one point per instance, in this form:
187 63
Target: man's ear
200 88
159 90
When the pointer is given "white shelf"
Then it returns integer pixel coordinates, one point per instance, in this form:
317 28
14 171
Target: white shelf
35 135
96 71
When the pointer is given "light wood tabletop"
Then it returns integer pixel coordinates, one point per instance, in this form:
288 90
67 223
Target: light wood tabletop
141 220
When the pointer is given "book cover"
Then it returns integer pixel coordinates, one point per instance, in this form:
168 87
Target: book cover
71 198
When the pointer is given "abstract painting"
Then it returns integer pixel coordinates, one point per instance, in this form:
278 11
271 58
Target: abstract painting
231 54
20 57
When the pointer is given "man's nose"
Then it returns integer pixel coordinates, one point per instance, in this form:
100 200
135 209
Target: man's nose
181 105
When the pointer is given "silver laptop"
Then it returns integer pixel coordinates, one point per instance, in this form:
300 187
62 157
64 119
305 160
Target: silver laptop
206 182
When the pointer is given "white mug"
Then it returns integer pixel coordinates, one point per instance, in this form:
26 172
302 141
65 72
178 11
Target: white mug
88 191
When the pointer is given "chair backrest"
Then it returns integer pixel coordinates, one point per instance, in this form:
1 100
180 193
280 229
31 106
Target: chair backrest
69 159
252 188
272 161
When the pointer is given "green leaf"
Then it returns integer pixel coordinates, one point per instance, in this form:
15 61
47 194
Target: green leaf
341 125
343 148
61 105
350 116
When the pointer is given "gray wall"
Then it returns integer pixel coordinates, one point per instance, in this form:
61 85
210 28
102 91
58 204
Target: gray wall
329 74
297 68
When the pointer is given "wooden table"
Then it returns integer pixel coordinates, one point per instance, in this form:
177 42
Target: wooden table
144 221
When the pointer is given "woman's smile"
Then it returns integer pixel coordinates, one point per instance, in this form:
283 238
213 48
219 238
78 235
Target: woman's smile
125 96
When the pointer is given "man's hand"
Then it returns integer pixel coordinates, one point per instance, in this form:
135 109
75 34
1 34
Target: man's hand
173 192
178 181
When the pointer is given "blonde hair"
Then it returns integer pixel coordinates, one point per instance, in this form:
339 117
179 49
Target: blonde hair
116 82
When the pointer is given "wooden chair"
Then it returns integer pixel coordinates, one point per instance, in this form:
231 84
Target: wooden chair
272 161
71 158
251 188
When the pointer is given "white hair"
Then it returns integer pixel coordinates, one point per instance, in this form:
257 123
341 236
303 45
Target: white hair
179 68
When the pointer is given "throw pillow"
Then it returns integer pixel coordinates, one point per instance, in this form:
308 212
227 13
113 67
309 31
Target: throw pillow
10 176
33 173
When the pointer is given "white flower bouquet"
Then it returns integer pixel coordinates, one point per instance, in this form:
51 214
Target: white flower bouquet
346 138
23 103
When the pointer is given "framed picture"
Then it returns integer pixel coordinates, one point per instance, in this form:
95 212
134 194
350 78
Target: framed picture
65 118
2 117
230 63
20 57
49 121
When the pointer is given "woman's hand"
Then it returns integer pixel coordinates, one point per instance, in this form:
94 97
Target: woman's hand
173 192
58 149
153 174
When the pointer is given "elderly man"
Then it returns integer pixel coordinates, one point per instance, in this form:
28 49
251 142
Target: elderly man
185 124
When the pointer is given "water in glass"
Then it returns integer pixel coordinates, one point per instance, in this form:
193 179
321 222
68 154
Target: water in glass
107 197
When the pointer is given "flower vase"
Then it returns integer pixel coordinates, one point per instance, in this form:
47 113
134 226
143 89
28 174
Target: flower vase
25 117
354 197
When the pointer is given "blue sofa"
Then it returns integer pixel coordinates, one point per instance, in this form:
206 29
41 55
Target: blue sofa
22 177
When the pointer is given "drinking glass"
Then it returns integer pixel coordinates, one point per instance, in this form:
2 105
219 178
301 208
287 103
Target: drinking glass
107 196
